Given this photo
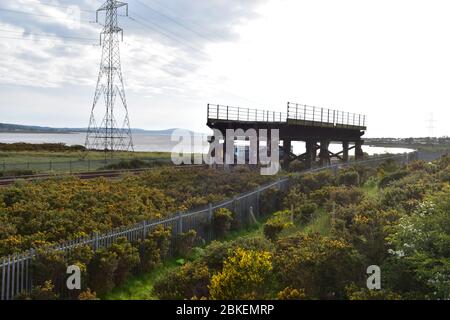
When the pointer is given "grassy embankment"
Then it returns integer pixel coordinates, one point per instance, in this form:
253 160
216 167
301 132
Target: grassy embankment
37 158
141 287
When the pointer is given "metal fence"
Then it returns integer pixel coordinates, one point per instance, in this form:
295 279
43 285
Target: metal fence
219 112
15 271
72 166
324 117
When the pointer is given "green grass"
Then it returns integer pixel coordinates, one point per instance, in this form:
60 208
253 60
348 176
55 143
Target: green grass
46 161
140 287
321 223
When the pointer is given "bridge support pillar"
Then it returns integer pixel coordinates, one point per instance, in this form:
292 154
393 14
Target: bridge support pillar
324 154
269 143
359 154
311 153
287 146
345 148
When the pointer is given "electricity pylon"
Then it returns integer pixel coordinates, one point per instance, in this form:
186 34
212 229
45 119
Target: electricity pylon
109 136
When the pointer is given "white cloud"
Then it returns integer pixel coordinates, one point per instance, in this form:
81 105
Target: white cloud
388 59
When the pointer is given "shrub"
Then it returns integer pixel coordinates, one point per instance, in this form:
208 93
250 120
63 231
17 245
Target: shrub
217 252
294 198
271 201
306 212
313 181
348 178
127 259
184 243
355 293
291 294
345 196
45 291
280 221
101 271
386 180
222 222
185 282
323 266
296 166
155 248
88 295
246 274
49 266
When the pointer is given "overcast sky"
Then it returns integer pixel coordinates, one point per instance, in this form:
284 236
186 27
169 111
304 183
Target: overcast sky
389 59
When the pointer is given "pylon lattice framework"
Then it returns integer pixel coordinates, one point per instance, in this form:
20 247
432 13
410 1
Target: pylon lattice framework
108 136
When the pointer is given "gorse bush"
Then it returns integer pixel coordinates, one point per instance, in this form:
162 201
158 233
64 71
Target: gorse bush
155 248
321 265
46 212
127 260
403 227
184 242
348 178
280 221
245 275
101 270
222 221
187 282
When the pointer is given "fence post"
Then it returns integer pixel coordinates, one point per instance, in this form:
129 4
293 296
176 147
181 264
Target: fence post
95 241
2 297
258 199
180 223
210 212
144 226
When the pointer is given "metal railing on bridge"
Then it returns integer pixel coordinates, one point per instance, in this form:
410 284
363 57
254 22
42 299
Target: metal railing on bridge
296 114
227 113
310 115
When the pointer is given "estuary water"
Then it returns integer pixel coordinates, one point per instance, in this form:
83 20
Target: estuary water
151 142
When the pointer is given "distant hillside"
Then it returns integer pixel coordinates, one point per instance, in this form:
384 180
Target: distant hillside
17 128
5 127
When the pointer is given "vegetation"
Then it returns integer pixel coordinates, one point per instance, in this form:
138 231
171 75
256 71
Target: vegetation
33 215
326 231
329 231
59 157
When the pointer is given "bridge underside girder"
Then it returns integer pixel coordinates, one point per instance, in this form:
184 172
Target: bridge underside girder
316 139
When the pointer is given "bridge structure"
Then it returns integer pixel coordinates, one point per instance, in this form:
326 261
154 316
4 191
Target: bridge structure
317 127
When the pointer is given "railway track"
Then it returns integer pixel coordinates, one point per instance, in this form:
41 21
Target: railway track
5 181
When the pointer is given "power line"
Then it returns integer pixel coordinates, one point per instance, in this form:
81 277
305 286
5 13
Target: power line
138 19
175 21
170 9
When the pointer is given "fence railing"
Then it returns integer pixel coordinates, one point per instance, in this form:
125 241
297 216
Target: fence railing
227 113
71 166
15 271
301 114
324 117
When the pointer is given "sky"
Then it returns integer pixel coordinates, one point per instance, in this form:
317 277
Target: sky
388 59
